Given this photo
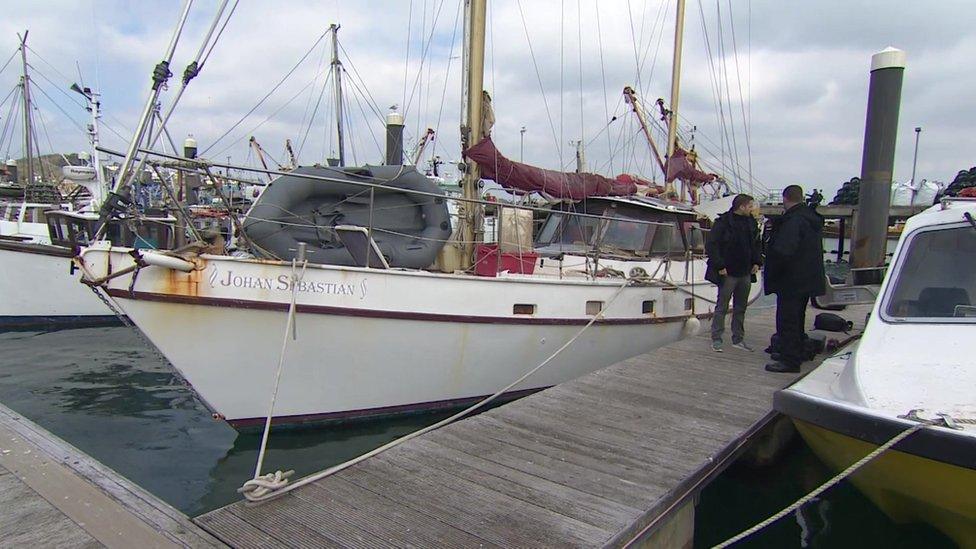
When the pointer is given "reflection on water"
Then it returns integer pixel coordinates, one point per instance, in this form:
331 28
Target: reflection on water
841 517
104 392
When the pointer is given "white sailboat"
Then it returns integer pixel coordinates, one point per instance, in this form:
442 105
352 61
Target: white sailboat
914 362
40 283
376 340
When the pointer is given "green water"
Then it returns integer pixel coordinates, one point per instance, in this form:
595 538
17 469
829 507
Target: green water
103 391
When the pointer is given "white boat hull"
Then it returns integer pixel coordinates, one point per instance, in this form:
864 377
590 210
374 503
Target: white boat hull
375 342
37 286
353 366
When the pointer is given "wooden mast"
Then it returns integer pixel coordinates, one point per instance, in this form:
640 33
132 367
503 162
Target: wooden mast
337 80
471 131
679 24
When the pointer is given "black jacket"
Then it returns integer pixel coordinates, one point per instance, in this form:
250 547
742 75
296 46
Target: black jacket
732 244
794 254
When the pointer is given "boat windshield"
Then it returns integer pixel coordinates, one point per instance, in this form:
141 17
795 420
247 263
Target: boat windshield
936 279
622 233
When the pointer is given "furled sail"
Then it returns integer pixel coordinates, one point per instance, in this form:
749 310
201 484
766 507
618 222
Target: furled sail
516 175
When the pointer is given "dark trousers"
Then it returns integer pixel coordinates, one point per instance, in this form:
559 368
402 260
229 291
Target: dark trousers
791 316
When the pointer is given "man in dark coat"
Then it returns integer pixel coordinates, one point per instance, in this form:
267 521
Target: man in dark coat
734 258
794 271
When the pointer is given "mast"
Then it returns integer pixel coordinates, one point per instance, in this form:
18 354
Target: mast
99 189
471 131
679 25
161 74
337 76
631 97
28 130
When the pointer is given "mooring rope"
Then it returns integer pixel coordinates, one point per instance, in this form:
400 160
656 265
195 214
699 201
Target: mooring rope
832 482
264 484
271 485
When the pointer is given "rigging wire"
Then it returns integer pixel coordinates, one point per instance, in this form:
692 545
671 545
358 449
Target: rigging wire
603 76
423 58
562 93
579 53
311 119
742 105
262 123
728 96
538 76
9 59
715 85
406 61
447 75
266 96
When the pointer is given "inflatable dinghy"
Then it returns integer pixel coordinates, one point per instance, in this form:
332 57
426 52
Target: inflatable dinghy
409 229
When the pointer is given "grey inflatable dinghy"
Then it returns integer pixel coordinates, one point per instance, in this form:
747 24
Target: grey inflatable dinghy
409 229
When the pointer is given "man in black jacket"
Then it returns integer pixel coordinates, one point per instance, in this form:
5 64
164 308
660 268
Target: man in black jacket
734 257
794 272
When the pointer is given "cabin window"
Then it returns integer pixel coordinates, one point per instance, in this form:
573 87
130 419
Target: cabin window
594 307
625 234
647 307
689 303
523 309
665 240
935 278
694 237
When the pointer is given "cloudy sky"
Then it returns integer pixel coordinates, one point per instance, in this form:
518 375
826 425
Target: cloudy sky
792 79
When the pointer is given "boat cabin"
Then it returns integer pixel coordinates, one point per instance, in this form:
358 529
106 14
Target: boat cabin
626 227
73 229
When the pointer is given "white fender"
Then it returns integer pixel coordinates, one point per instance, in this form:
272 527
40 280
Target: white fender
167 261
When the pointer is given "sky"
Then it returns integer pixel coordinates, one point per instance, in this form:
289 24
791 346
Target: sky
792 78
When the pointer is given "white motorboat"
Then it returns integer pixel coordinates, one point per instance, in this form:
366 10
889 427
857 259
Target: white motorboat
914 361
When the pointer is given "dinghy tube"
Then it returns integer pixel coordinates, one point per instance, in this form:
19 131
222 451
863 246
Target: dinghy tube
408 228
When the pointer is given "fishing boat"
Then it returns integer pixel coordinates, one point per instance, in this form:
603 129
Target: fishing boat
914 362
378 330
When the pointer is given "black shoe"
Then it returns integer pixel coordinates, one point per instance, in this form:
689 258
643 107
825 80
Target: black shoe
781 367
776 356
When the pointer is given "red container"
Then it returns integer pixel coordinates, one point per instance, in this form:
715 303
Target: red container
488 262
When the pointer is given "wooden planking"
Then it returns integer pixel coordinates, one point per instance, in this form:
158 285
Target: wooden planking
28 520
591 462
92 498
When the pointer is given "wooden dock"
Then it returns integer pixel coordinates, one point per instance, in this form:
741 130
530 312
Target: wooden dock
53 495
614 458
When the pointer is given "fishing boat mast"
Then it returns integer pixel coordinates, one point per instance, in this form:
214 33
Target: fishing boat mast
28 131
679 24
337 78
474 57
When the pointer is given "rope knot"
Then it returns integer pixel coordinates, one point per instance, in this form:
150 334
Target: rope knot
258 488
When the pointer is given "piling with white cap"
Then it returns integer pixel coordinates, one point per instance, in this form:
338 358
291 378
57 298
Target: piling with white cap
394 139
877 165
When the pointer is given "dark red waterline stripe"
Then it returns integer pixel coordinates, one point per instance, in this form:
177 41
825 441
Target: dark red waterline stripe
374 313
385 411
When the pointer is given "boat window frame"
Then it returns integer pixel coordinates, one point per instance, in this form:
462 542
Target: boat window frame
895 270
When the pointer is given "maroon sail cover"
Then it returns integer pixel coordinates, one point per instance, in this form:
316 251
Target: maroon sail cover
680 167
515 175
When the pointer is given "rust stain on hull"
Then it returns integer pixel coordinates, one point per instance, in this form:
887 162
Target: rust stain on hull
187 284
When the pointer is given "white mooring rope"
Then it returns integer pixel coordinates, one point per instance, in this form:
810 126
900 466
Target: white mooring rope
271 485
830 483
264 484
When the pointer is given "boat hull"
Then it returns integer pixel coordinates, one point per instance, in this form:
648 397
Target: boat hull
907 487
374 341
348 365
38 288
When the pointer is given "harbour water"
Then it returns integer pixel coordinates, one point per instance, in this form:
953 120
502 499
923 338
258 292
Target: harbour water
104 391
